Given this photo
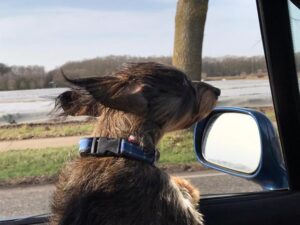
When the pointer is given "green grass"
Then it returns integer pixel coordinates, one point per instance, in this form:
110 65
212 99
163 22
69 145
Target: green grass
175 148
26 131
31 163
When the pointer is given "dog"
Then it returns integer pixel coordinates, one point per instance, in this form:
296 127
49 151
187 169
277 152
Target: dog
137 105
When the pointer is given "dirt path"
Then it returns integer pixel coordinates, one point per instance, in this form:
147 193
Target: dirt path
39 143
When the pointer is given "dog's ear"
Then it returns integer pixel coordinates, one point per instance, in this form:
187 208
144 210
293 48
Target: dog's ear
77 103
114 92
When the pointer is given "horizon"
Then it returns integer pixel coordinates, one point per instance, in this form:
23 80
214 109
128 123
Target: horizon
130 56
52 33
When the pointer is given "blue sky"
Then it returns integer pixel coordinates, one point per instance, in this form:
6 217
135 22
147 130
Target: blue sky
52 32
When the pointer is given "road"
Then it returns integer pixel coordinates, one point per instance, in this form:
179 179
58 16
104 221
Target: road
34 200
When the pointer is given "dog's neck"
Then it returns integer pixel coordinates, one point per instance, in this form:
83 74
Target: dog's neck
117 124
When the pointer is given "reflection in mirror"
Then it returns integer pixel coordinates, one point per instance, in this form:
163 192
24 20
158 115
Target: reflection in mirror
233 142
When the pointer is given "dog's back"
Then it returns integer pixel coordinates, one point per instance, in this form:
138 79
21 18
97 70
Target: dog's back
110 191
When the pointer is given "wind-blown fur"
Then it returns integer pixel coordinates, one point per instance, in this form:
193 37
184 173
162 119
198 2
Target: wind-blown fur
143 100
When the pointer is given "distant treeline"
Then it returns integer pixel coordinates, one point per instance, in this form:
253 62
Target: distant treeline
23 77
31 77
212 67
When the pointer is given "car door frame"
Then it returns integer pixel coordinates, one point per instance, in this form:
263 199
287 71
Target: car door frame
281 206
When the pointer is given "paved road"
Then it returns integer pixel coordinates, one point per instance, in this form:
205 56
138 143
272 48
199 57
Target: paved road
34 200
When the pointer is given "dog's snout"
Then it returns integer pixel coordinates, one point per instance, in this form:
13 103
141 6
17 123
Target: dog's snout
217 91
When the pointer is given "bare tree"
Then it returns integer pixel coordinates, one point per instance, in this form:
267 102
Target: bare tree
189 28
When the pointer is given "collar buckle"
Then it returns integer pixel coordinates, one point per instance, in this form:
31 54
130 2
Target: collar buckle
103 147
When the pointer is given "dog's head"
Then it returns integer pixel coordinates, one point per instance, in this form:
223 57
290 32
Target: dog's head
152 93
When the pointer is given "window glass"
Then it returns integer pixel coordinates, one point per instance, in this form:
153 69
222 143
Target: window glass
234 58
295 25
94 38
234 61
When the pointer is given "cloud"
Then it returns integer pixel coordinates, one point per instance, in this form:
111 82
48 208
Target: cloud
232 28
53 36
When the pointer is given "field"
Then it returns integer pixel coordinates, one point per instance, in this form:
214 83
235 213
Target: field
35 165
43 165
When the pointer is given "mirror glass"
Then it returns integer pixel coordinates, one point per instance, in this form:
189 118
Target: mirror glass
233 141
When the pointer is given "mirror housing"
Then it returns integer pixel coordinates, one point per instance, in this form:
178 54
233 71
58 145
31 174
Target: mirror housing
270 172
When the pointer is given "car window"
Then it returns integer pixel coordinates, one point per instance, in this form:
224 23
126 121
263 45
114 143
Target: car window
94 39
295 25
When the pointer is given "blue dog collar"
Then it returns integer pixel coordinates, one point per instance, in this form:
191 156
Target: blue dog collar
100 146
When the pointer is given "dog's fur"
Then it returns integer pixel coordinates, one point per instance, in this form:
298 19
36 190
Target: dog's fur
143 100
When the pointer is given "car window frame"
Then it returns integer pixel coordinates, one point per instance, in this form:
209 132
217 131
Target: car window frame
277 39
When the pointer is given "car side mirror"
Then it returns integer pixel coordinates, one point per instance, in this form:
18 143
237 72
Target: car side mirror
241 142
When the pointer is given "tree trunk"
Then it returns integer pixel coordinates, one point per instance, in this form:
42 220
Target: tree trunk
189 29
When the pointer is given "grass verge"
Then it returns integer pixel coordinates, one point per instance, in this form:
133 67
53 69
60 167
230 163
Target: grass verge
27 131
177 147
176 150
31 163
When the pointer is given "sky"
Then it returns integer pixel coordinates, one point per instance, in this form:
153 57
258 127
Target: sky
52 32
295 25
